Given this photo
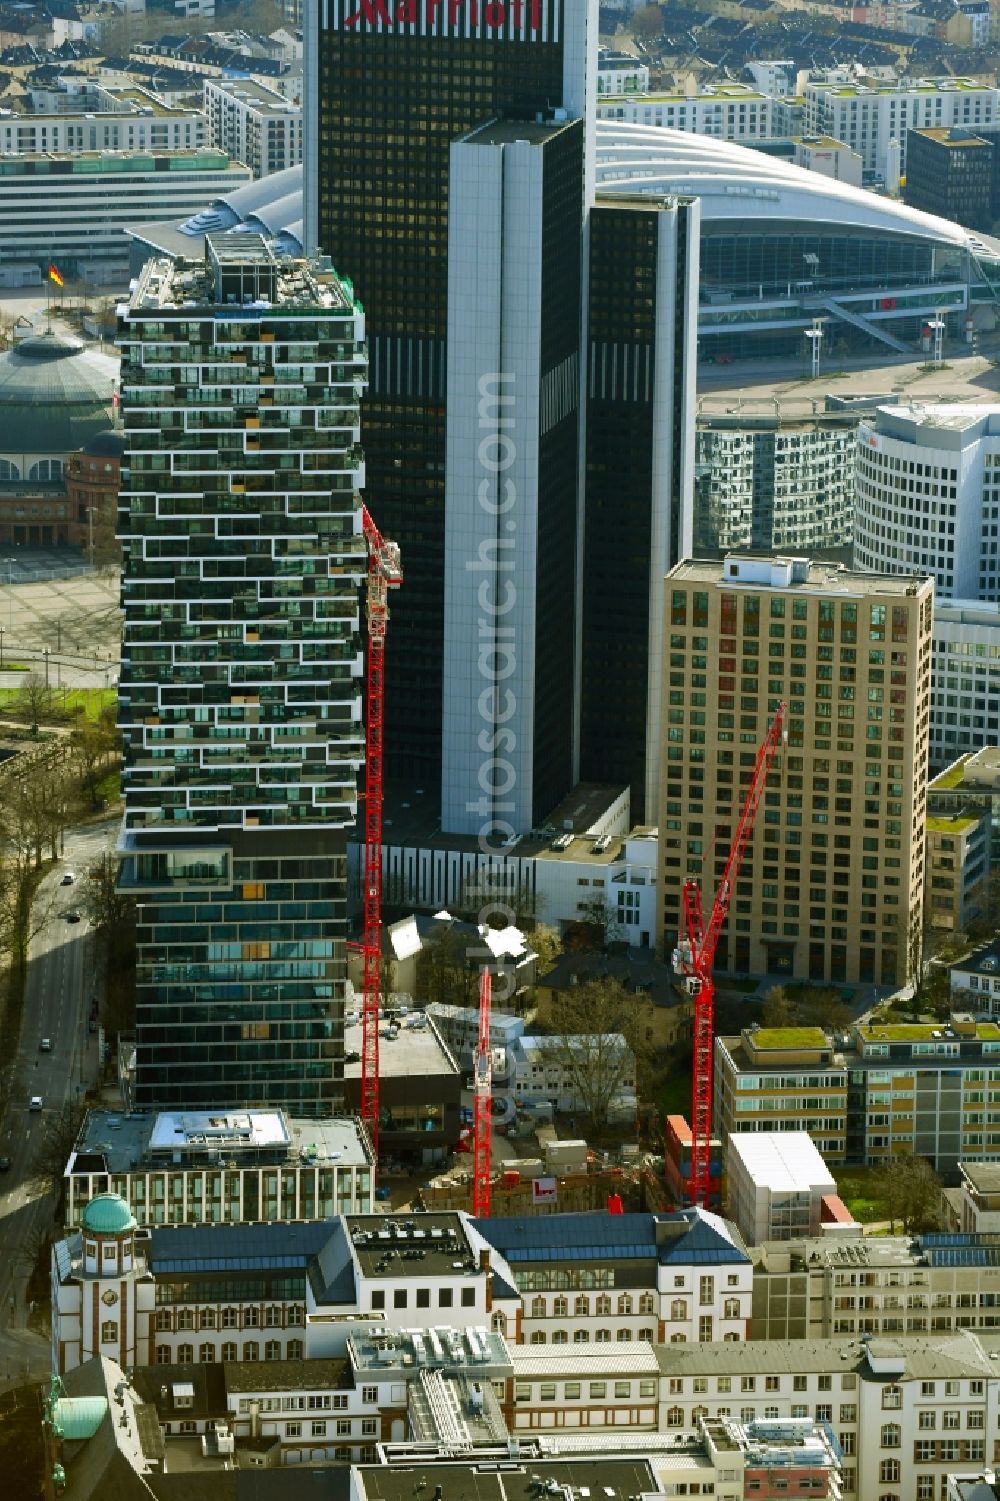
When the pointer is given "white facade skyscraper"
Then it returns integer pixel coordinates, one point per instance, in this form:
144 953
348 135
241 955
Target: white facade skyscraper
928 496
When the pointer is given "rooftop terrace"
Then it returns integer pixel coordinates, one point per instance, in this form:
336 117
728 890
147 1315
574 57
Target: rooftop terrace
428 1245
242 269
117 1142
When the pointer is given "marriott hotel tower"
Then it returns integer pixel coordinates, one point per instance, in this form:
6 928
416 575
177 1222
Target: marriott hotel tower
449 171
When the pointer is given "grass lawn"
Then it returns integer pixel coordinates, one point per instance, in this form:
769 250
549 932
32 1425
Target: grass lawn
66 703
109 789
860 1190
803 993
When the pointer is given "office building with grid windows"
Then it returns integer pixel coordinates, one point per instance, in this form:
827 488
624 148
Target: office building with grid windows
928 496
831 887
240 700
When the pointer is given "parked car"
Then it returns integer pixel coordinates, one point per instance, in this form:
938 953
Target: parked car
4 1164
72 917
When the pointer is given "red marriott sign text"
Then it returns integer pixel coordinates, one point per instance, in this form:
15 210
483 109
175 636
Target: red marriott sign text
453 17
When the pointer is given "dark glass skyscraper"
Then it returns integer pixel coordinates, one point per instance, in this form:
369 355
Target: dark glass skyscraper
642 329
391 85
240 679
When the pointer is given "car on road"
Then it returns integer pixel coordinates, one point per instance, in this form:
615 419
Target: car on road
35 1103
72 917
68 878
45 1046
4 1164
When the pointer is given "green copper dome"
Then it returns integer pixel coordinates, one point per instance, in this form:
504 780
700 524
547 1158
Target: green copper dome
108 1214
78 1418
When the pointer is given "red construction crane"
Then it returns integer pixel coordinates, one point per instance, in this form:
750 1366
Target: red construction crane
384 573
482 1123
695 955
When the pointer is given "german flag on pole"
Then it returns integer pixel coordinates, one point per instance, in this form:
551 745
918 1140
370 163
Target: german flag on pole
54 276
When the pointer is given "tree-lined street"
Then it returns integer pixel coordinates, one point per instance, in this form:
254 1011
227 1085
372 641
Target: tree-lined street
59 985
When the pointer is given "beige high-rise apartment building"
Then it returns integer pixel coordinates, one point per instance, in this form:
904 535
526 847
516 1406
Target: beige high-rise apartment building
832 884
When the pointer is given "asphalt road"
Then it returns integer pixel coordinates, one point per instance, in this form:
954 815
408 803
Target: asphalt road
57 1007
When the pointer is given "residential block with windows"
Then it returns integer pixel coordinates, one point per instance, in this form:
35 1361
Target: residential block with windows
957 868
887 1091
730 111
831 886
871 115
254 124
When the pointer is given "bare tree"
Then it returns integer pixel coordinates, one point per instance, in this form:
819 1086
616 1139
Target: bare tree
59 1138
648 22
93 747
596 913
824 1008
34 699
31 1245
779 1008
444 970
547 945
911 1190
599 1042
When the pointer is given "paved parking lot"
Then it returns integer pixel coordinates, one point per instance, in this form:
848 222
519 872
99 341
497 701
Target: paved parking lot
77 618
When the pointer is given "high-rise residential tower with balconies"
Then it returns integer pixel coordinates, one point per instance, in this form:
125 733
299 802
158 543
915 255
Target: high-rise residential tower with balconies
240 683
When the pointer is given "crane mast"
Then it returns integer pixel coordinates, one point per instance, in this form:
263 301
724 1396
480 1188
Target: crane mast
482 1124
695 956
384 573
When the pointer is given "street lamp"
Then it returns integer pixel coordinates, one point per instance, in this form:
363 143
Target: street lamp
815 337
1 647
45 653
937 328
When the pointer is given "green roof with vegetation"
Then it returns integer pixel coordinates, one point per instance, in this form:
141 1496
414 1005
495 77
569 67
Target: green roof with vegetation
952 776
951 823
923 1032
789 1037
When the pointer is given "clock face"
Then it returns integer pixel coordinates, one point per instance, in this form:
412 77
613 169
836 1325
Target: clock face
109 1297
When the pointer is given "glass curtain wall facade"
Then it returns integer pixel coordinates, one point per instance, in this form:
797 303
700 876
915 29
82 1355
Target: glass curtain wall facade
240 696
395 86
